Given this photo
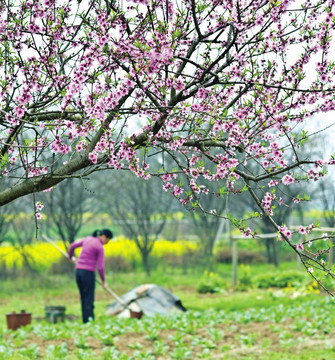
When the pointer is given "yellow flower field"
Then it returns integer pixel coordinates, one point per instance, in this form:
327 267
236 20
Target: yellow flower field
41 255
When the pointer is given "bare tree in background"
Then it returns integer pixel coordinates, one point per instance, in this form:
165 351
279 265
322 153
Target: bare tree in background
328 203
23 227
65 209
4 222
206 226
139 207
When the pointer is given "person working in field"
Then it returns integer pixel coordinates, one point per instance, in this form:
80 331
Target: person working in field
92 257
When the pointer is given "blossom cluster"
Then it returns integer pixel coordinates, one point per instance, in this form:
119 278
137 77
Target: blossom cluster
216 92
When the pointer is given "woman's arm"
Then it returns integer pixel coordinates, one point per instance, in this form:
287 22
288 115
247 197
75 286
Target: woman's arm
73 246
101 265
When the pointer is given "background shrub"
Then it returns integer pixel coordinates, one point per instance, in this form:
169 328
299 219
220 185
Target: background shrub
62 267
244 257
118 264
245 279
210 283
11 273
290 278
265 281
280 280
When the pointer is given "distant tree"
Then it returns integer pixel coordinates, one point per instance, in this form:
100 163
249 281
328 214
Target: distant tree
7 212
24 230
4 222
327 204
271 244
206 225
327 191
139 207
65 208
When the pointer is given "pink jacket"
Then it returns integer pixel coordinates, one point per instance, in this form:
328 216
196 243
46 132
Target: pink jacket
91 256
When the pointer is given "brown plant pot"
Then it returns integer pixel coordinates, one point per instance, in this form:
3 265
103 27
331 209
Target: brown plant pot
16 320
136 314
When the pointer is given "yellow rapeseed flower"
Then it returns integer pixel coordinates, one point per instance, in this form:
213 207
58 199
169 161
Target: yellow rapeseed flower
42 255
39 254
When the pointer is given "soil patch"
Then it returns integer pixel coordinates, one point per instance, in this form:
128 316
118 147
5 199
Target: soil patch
226 340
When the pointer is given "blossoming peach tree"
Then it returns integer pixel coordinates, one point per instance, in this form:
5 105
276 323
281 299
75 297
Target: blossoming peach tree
219 90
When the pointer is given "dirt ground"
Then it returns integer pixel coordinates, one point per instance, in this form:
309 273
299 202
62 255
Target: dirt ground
239 341
236 341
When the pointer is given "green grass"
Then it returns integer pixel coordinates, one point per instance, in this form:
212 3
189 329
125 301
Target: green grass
252 321
33 294
302 330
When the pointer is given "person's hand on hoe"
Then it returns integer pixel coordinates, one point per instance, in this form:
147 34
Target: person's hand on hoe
72 259
105 285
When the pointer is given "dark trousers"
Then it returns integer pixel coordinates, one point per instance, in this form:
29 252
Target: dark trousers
86 284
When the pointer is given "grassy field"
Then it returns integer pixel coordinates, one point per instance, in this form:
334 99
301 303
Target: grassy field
263 324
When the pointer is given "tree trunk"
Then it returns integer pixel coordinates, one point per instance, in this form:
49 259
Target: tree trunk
145 261
268 250
275 253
